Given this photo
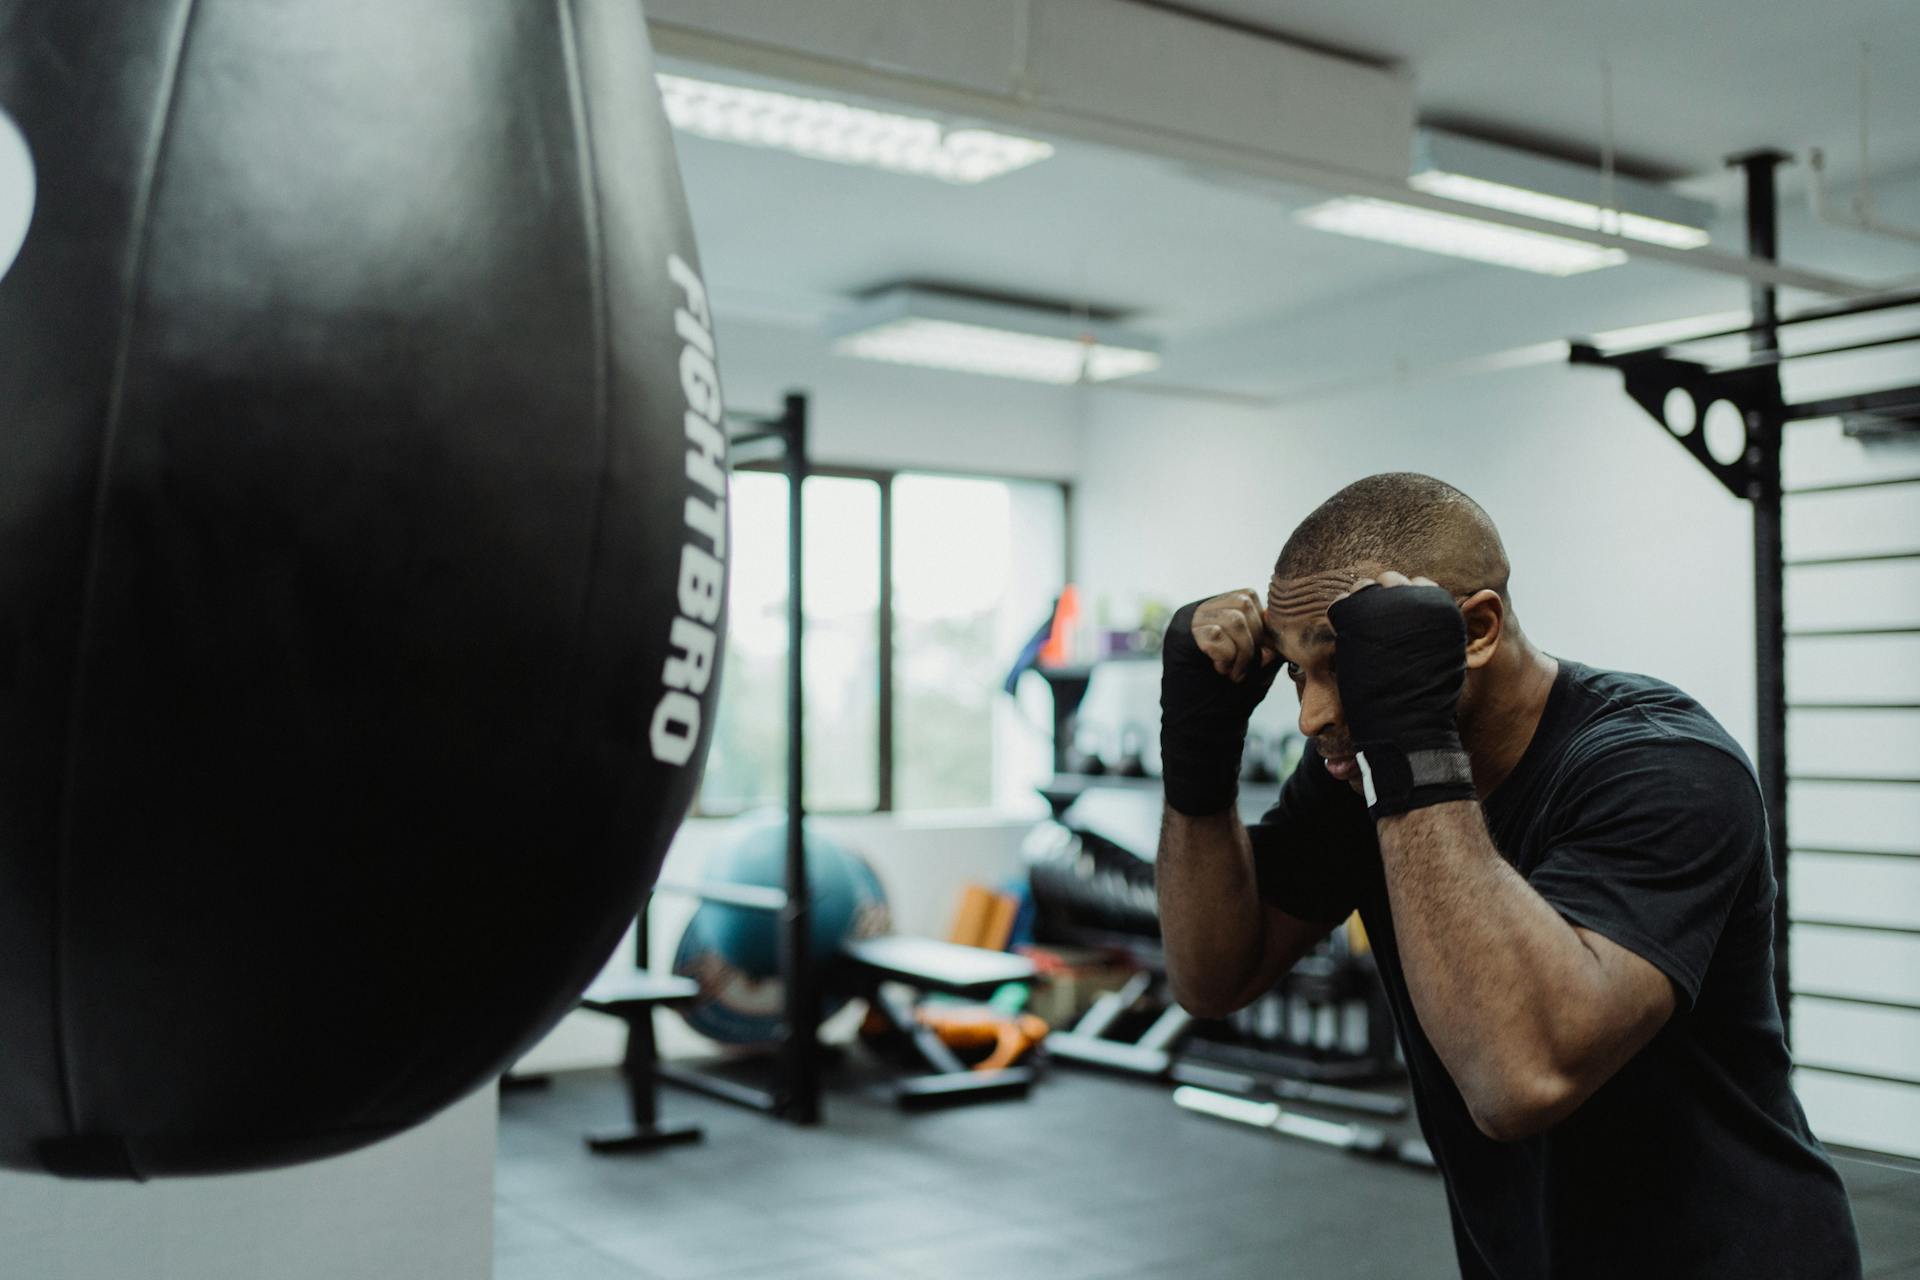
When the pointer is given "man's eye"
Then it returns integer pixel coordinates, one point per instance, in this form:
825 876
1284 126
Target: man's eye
1293 671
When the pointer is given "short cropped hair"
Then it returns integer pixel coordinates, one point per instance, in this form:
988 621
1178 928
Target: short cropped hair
1405 521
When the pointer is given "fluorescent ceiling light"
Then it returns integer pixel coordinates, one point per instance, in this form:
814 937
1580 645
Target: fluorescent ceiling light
1467 169
1496 177
1458 236
945 331
825 130
1573 213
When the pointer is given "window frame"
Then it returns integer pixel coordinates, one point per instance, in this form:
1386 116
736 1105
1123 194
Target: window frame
883 478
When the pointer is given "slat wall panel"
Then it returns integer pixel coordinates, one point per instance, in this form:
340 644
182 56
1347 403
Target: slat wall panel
1872 744
1850 373
1853 815
1854 669
1849 962
1856 890
1861 1113
1819 451
1854 1037
1868 520
1827 820
1884 593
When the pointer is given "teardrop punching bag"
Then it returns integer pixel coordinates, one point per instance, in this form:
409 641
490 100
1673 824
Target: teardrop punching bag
362 486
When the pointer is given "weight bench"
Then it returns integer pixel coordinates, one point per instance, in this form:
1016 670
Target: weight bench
632 997
950 969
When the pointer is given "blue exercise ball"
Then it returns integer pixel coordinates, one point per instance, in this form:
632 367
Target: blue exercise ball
734 952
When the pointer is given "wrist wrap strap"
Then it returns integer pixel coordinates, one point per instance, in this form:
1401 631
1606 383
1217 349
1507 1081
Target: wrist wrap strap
1398 781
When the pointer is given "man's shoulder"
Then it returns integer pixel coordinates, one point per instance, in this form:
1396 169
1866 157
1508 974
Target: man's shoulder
1650 757
1619 715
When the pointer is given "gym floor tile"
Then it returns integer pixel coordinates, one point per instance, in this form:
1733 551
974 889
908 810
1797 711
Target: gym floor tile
897 1219
1008 1252
1889 1232
1093 1178
1868 1179
516 1232
1163 1242
601 1213
1893 1210
572 1262
696 1246
843 1268
1356 1260
1039 1198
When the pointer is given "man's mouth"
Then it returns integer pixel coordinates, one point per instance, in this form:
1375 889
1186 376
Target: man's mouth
1340 763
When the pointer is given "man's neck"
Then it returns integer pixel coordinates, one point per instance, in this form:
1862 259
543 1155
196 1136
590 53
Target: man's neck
1503 726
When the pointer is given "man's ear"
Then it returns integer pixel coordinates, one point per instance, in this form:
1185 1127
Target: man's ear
1486 616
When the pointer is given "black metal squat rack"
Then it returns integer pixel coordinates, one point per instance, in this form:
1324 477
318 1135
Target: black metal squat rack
1679 393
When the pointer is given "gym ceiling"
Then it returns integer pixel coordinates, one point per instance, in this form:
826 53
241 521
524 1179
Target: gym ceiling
1207 255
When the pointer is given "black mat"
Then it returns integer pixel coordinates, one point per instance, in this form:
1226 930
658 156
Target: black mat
1091 1179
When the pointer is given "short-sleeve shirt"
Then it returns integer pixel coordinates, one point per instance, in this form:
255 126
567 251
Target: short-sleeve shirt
1636 816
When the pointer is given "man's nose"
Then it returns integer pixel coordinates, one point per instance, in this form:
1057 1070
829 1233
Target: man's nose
1319 708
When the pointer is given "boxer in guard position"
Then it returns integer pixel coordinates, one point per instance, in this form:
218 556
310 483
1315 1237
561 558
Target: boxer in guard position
1564 874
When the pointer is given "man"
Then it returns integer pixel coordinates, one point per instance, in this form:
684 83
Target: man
1564 875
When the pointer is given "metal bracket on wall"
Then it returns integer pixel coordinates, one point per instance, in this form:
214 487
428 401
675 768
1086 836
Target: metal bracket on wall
1680 394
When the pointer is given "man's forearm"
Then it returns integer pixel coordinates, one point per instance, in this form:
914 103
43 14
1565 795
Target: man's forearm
1498 978
1210 917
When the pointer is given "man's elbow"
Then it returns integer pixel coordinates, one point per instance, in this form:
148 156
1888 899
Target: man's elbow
1523 1104
1202 1000
1207 1009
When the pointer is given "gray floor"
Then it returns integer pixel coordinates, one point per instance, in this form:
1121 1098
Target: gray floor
1092 1179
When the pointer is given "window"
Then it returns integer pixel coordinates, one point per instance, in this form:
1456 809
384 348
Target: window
975 564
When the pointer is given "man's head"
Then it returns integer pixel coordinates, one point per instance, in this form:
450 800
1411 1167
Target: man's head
1399 522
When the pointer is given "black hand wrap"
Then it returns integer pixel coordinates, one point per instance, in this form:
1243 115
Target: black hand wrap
1203 720
1401 659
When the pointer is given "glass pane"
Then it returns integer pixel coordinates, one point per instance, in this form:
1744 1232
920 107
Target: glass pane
747 766
976 567
842 660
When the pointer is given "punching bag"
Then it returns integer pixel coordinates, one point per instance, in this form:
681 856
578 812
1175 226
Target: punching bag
362 484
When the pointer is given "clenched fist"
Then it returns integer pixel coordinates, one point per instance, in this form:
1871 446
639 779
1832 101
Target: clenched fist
1218 662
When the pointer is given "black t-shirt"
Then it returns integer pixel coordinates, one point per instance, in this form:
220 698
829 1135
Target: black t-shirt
1636 816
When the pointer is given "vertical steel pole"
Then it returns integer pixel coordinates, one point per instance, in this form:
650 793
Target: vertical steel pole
1765 424
802 1047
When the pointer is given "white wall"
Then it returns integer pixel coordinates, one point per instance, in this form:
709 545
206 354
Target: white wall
1625 553
416 1207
